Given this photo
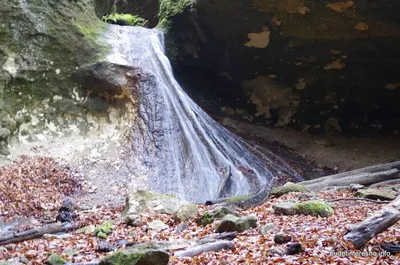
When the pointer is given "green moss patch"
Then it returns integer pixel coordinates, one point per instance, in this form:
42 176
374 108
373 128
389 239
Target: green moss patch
169 9
125 19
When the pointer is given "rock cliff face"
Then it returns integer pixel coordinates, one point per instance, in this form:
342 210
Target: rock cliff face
313 65
42 45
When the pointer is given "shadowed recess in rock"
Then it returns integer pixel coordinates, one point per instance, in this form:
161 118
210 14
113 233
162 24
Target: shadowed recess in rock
176 145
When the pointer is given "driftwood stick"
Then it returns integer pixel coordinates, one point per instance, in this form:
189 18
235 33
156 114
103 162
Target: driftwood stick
193 251
359 199
386 182
36 233
364 231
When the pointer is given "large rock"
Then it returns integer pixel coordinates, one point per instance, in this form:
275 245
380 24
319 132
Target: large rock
218 212
287 188
234 223
314 208
376 194
187 211
134 256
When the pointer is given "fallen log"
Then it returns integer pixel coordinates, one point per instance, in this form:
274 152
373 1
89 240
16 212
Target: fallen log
366 178
214 246
361 233
36 233
370 169
360 199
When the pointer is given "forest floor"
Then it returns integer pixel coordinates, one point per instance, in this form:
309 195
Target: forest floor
32 188
40 183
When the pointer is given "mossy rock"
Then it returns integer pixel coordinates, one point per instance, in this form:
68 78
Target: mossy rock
315 208
233 223
219 212
54 259
125 19
169 9
134 256
104 229
287 188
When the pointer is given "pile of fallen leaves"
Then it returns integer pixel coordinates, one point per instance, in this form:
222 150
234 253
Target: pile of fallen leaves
31 186
28 185
318 236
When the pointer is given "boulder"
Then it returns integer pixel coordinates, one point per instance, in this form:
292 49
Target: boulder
288 187
134 256
315 208
234 223
186 212
376 194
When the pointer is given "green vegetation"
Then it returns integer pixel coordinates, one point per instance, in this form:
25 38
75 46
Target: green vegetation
125 19
316 208
104 229
169 9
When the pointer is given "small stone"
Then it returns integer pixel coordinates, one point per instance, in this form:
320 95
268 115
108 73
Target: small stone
181 228
265 228
157 225
133 220
23 260
31 254
105 246
293 249
282 239
356 186
122 242
86 229
54 259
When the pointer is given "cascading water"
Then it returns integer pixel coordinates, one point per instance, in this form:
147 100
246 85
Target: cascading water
176 144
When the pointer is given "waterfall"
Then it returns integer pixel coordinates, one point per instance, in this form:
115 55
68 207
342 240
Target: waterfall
176 145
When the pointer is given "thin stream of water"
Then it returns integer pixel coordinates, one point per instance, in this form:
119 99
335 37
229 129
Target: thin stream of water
177 146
